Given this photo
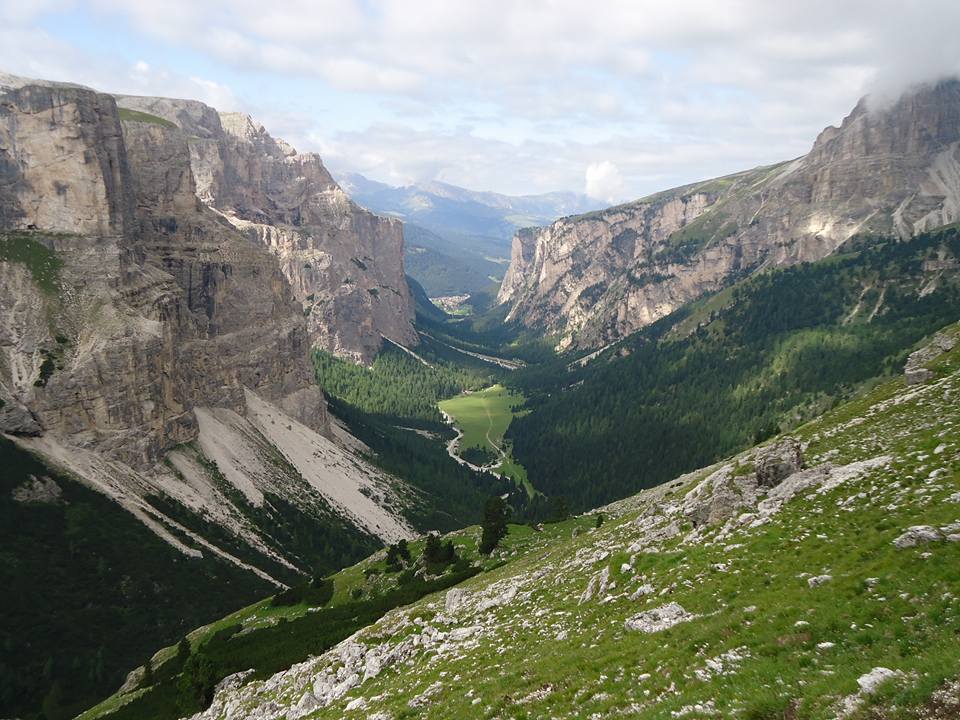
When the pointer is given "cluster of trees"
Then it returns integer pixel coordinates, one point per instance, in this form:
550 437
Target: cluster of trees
396 385
398 556
792 343
317 593
437 554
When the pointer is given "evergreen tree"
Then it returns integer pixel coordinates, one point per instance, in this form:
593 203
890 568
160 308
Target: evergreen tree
183 650
432 550
147 680
494 524
197 681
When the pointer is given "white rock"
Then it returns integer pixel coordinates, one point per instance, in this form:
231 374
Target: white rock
661 618
645 589
819 580
871 681
916 535
356 704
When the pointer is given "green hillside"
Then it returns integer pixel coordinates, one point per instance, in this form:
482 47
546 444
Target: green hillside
718 375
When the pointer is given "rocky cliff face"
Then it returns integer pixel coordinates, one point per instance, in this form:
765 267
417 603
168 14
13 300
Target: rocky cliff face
593 278
344 264
151 347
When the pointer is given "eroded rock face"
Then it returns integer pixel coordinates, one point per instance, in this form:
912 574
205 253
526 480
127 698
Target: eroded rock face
344 264
597 277
151 303
130 311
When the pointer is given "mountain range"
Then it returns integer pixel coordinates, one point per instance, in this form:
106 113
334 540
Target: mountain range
458 240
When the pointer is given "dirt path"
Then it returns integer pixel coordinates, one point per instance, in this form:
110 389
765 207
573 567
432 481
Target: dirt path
503 455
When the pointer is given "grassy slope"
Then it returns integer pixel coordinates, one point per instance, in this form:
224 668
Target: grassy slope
484 417
366 580
545 654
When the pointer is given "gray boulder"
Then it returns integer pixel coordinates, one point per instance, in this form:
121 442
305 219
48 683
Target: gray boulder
778 462
15 419
918 535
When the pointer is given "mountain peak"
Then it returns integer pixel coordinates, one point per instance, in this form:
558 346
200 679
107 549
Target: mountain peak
892 170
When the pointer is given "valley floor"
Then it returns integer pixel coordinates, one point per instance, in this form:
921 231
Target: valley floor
482 419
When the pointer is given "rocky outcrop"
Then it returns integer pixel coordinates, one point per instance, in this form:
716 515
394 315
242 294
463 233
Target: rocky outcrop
344 264
735 489
151 348
597 277
778 462
915 371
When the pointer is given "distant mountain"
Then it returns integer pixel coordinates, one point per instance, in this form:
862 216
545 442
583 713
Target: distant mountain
890 170
458 240
442 207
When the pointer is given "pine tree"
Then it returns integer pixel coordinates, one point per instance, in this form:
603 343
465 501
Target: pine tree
494 524
432 551
147 680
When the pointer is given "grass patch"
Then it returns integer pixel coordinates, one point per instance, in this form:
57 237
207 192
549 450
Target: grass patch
41 261
483 417
128 115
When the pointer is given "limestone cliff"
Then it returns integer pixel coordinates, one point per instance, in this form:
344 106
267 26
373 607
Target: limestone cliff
597 277
345 264
150 348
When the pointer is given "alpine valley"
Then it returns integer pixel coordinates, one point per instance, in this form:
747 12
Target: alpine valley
698 455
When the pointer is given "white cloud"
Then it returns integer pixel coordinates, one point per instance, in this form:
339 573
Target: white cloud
603 181
515 96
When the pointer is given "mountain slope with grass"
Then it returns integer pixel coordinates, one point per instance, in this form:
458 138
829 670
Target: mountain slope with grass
812 576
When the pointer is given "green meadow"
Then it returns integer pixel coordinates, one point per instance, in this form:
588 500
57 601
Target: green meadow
483 417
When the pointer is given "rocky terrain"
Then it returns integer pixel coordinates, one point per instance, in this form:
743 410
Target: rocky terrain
809 577
343 263
157 346
593 278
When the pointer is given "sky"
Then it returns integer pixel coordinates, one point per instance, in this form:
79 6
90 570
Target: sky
612 98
